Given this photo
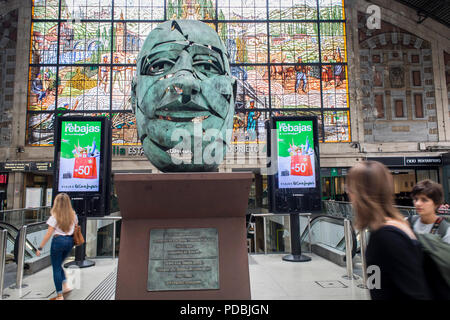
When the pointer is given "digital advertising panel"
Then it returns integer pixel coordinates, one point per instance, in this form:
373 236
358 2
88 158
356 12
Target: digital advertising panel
79 156
294 165
82 162
295 146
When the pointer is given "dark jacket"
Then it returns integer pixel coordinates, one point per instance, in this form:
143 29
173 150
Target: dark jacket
400 260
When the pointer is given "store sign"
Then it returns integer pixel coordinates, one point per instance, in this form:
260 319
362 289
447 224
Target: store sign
26 166
79 157
423 161
244 148
3 178
334 172
408 161
128 151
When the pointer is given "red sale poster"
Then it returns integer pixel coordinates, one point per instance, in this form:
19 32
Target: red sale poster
85 168
301 165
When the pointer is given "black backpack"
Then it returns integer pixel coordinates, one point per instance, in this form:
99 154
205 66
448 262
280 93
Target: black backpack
436 254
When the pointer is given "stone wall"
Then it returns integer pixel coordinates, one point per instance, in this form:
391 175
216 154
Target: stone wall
8 41
397 85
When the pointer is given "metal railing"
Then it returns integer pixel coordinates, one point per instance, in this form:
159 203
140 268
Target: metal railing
23 242
267 215
348 249
345 209
3 239
21 254
21 217
114 219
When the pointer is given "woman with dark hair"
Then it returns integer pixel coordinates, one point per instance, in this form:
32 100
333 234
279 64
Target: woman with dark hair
393 248
427 198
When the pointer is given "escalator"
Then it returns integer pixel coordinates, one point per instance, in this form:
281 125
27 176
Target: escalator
10 267
328 239
32 263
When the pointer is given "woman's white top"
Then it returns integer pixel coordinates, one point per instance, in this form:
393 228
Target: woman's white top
52 223
420 227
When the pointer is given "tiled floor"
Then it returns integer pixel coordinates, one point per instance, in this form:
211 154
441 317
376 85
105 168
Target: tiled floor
84 281
271 278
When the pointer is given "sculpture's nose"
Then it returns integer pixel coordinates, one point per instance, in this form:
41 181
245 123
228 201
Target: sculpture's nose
186 85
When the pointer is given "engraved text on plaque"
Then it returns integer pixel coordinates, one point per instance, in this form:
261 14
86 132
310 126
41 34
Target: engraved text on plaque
183 259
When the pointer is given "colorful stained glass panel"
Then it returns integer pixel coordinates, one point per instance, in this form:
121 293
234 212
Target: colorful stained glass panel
42 88
139 9
84 42
44 46
128 40
241 10
337 126
45 9
191 9
331 9
84 88
40 129
124 130
245 42
332 41
97 58
248 126
290 42
86 10
292 10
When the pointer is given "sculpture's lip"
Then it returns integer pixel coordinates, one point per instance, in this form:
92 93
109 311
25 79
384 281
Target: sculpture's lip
182 116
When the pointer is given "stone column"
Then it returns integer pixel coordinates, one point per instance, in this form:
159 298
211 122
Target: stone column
15 192
353 71
440 85
21 82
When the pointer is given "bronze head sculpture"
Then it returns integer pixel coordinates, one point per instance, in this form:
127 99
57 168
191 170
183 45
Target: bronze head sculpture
183 96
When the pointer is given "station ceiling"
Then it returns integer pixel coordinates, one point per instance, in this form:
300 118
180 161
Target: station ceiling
436 9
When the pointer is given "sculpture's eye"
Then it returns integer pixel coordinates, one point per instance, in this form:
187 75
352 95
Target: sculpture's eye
208 68
157 67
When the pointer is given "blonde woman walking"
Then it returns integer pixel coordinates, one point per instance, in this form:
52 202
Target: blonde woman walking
61 225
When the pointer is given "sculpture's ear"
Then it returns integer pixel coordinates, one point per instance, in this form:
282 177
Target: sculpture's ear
133 95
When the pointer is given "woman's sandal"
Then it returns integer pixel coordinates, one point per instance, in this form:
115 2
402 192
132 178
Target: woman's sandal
57 298
67 291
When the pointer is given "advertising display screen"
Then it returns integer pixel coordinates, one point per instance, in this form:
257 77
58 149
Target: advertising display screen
79 157
294 170
295 144
82 162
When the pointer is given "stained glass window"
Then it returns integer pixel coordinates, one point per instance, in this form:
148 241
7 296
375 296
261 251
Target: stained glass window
289 58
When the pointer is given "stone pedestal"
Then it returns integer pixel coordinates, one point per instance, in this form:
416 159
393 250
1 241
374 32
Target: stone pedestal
183 201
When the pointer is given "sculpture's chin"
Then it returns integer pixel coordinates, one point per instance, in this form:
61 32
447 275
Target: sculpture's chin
165 161
168 133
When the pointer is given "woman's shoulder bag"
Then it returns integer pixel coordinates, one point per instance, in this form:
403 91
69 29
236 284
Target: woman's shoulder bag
78 238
